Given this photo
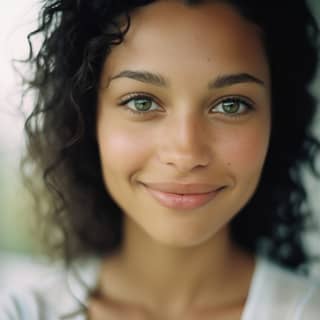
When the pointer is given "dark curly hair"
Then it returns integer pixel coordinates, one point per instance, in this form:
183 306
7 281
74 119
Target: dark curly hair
79 217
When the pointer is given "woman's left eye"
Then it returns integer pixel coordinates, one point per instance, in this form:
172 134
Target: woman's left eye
232 107
140 104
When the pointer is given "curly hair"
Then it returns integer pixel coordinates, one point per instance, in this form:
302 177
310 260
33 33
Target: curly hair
77 37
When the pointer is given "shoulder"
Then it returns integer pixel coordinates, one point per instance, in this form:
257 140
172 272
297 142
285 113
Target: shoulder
10 308
59 293
309 308
278 293
25 302
297 292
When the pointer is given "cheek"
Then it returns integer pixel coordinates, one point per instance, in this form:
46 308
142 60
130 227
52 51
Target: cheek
121 150
244 150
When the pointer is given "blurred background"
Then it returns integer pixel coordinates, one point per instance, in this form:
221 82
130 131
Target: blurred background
17 17
17 241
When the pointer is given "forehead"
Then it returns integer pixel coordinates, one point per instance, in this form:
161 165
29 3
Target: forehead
169 35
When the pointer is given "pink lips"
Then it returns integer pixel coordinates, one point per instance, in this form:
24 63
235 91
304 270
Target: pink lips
182 196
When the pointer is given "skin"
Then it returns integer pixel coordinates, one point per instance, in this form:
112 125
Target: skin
178 263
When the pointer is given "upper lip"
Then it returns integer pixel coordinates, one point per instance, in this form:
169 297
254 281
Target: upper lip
183 188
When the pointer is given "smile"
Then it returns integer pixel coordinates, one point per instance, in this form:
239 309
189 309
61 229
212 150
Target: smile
182 197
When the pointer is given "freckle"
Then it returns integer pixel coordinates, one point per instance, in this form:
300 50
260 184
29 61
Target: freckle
208 59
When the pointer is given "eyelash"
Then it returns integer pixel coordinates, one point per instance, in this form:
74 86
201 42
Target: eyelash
236 99
137 96
143 96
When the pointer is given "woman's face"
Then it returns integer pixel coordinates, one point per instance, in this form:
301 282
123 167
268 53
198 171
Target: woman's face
183 120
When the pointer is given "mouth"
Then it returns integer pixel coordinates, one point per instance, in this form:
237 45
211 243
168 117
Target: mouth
182 196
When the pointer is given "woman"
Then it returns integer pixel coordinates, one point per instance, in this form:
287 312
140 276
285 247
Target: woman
172 137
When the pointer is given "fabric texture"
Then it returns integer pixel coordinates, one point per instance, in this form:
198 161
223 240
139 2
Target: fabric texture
275 293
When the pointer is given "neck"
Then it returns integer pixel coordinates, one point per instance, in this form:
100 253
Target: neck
164 275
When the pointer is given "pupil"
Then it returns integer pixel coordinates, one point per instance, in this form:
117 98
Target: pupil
142 104
230 106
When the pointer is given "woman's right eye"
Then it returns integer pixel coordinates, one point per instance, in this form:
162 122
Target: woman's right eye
140 104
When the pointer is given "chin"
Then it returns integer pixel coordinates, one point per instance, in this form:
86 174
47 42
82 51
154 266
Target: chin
182 237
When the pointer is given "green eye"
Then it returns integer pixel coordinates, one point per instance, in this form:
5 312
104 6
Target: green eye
232 107
142 105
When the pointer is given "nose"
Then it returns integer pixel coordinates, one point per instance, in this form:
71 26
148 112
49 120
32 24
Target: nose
185 144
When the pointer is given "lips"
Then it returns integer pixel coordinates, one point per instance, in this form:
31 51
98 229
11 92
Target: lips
182 196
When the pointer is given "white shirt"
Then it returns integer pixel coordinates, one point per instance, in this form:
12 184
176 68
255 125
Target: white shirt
275 294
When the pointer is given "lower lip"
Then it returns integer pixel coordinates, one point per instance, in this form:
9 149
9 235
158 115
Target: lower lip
182 202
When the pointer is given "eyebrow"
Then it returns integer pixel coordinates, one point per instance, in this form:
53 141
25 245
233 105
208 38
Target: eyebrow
156 79
142 76
232 79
